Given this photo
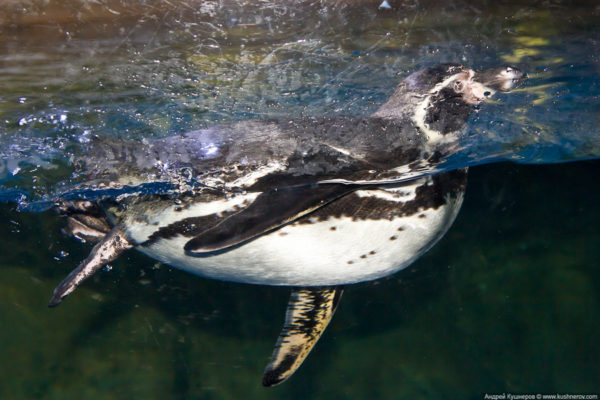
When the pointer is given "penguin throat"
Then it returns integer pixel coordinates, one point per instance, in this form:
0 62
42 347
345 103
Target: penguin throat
446 108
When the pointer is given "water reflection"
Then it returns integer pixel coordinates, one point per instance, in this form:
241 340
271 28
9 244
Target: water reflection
149 71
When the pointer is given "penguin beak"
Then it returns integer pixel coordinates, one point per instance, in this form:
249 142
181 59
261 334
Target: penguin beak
502 79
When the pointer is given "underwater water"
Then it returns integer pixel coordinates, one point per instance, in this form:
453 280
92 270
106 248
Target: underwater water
506 302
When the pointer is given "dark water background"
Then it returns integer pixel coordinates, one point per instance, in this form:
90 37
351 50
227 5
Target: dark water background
506 302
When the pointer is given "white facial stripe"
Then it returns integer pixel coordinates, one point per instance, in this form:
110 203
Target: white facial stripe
451 79
421 110
473 93
476 93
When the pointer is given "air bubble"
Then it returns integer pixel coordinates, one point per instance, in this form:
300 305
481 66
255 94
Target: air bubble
85 136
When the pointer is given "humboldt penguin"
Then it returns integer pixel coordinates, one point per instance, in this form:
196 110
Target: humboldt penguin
314 203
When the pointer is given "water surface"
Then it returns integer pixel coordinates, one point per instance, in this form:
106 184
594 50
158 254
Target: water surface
151 70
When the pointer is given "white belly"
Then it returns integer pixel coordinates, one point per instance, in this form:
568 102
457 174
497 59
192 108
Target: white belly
333 252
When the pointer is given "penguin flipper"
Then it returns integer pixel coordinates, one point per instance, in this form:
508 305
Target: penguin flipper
270 210
308 313
109 248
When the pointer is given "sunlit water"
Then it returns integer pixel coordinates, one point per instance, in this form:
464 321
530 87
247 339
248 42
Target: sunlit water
169 70
509 301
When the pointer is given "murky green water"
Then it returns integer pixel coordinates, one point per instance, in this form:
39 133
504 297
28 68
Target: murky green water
506 302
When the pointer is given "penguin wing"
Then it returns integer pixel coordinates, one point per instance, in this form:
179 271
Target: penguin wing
270 210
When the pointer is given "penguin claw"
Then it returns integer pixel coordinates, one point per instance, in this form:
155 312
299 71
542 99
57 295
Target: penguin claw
108 249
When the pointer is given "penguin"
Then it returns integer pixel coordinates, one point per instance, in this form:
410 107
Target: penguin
314 203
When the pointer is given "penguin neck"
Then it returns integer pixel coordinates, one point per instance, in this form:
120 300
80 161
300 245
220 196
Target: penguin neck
409 106
400 105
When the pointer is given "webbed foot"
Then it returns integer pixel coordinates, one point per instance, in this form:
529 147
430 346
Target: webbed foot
309 311
108 249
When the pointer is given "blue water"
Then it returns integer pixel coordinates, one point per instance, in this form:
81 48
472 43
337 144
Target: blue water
61 84
507 302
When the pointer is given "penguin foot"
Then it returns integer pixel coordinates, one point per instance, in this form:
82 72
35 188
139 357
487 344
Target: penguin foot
108 249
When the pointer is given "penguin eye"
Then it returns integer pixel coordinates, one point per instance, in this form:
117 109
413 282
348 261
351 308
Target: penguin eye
487 93
458 87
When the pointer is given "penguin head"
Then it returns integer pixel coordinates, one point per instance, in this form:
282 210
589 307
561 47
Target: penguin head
432 78
501 79
439 99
